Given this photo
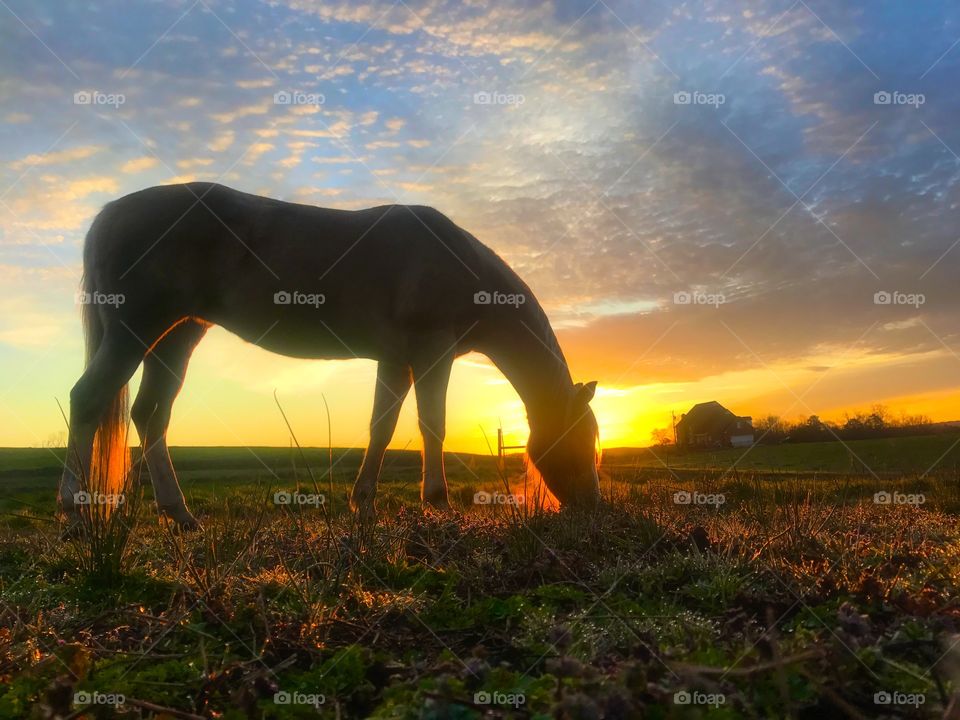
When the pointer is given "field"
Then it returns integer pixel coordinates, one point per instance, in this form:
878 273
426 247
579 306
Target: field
778 588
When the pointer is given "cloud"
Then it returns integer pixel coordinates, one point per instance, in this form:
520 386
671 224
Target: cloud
139 164
255 151
191 163
296 156
40 208
57 157
223 141
231 116
255 84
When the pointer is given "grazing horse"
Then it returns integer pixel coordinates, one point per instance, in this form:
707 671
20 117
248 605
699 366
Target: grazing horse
399 284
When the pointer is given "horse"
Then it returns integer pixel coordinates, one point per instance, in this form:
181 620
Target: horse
399 284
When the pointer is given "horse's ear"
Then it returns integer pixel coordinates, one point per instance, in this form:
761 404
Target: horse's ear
586 392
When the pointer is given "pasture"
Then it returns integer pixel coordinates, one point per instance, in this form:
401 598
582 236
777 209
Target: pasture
778 589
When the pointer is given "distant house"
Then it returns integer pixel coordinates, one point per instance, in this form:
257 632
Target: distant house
710 424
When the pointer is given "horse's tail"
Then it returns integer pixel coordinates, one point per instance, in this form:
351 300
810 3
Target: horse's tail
110 461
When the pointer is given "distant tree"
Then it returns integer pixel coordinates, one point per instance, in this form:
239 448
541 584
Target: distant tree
912 421
854 424
878 421
813 429
662 437
770 429
866 424
882 412
55 440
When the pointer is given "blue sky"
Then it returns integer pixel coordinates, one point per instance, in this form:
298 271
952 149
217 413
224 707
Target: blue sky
784 186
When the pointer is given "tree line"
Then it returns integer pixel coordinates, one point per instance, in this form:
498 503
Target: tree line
877 422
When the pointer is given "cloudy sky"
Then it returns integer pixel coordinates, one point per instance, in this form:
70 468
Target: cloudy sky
706 197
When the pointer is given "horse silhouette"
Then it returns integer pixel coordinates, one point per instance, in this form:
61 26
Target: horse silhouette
402 285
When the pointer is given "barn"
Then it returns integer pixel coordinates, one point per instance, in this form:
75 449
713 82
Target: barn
710 424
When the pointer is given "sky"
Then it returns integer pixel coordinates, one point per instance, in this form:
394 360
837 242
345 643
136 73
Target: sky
750 202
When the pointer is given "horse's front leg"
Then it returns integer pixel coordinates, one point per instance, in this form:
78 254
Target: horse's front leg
393 384
431 375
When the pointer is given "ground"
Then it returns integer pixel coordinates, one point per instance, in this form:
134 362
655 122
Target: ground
696 591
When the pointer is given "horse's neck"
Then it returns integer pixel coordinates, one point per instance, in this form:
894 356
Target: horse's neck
527 353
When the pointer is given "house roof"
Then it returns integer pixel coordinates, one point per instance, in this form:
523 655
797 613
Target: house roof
708 417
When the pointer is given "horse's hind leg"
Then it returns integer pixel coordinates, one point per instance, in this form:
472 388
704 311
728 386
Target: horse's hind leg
164 369
431 375
393 384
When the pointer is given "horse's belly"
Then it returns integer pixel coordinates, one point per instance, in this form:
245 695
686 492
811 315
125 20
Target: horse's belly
300 337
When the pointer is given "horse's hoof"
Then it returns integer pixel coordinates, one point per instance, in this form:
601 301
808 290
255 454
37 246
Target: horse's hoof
365 513
441 504
183 521
364 508
190 524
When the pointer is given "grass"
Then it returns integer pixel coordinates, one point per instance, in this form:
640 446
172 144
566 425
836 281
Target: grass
797 596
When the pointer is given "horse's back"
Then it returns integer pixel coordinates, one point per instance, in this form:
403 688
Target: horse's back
268 224
208 250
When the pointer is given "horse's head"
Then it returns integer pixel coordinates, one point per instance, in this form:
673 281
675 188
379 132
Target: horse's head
564 451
